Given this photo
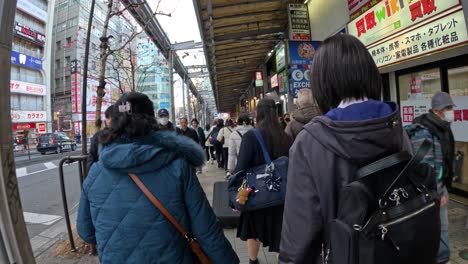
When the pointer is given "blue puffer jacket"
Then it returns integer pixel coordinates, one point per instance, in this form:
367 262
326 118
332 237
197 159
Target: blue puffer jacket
126 226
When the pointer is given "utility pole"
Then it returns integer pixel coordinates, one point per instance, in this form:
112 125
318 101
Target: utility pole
14 239
183 98
171 83
189 103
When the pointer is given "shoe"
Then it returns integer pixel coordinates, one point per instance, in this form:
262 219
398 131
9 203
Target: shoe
212 162
228 175
253 261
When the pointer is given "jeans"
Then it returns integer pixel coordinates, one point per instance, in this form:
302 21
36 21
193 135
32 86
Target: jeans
444 246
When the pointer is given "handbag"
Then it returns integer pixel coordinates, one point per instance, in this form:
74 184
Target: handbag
194 246
264 185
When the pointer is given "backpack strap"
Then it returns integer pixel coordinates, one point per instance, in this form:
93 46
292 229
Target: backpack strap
260 140
382 164
240 134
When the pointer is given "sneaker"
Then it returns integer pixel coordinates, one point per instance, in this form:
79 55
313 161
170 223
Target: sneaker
228 175
253 261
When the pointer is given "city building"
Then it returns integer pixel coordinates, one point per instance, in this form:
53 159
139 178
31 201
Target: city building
30 71
70 26
152 74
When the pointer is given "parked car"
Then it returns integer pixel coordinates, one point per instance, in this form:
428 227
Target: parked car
55 142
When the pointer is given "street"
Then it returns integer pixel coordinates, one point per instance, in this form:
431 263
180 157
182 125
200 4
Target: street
39 185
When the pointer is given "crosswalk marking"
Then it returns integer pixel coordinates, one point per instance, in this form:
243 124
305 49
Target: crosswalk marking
21 172
43 219
50 165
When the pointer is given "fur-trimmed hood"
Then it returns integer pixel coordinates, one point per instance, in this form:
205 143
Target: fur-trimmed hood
151 153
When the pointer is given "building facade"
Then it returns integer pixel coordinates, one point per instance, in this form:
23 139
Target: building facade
30 87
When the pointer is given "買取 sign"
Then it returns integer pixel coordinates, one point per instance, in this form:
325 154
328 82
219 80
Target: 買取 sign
431 37
392 16
25 60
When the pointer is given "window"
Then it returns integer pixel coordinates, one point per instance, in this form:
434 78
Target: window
67 61
420 85
58 45
68 40
57 65
57 83
458 78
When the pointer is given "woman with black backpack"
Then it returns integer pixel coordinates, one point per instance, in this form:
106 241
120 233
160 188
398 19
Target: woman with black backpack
263 225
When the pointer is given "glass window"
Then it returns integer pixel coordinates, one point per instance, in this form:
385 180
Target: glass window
458 79
419 85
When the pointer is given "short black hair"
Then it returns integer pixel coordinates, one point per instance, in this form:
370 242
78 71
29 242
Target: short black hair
220 122
180 119
229 122
207 127
243 120
343 69
108 112
195 120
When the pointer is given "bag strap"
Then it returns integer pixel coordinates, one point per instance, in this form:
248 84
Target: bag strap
240 134
161 208
260 140
382 164
417 158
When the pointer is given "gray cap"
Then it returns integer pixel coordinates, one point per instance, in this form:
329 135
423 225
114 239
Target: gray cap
441 100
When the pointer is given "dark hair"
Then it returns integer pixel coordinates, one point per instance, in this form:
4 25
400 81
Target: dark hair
138 121
243 120
278 142
220 123
195 120
342 69
229 122
108 112
207 127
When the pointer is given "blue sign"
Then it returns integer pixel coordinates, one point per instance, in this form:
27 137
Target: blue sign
165 105
302 52
26 61
300 79
164 96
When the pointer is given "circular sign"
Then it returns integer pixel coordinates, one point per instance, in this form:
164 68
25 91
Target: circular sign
297 75
306 51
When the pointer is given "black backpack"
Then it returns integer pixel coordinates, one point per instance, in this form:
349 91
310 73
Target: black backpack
389 214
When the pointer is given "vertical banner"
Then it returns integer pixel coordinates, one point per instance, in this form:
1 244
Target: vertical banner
299 23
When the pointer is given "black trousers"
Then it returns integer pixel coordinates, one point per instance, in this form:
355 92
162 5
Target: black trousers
210 153
225 158
219 156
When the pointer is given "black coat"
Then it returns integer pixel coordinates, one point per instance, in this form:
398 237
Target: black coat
201 136
93 155
189 133
168 127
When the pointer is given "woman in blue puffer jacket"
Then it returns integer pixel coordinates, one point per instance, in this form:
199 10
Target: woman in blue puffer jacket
119 218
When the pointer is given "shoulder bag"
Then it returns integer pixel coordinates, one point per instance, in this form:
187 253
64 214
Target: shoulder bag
194 246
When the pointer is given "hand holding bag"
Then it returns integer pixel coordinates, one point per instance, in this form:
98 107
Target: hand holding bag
266 184
194 246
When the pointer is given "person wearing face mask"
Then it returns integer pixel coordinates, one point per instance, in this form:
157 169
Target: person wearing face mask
435 127
163 121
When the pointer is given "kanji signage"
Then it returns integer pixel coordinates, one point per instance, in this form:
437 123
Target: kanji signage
26 32
358 7
27 116
23 126
280 58
258 77
299 25
27 88
41 128
392 16
434 36
283 82
302 52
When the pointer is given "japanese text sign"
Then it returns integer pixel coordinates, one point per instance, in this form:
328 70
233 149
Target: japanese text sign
41 128
434 36
25 60
358 7
392 16
27 88
26 32
299 25
27 116
302 52
280 58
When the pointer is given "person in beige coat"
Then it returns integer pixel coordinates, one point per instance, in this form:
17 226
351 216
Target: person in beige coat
243 125
223 136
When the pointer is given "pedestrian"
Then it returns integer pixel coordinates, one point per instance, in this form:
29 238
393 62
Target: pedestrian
354 132
184 130
201 137
116 215
236 139
217 144
307 109
263 225
435 126
95 147
163 120
209 148
223 137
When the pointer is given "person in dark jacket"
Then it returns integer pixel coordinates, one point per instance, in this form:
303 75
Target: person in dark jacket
262 225
163 121
307 109
218 146
200 132
357 129
115 214
184 130
93 156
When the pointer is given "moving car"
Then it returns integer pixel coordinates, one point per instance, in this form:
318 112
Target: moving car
55 142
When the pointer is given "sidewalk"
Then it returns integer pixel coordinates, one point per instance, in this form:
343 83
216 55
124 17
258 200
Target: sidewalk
458 214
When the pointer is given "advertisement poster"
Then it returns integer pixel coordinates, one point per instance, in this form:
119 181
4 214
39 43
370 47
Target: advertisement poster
280 58
302 52
299 80
27 88
26 61
390 17
283 82
435 36
299 26
25 32
28 116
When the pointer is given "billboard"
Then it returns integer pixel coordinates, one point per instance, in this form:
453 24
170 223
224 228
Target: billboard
27 88
26 61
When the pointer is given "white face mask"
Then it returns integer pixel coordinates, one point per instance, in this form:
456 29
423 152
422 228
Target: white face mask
164 121
449 116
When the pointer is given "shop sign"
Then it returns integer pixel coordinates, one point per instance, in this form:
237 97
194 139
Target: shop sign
299 80
299 25
27 116
302 52
274 81
41 128
164 96
165 105
24 126
280 58
26 32
32 9
27 88
91 96
283 82
435 36
392 16
358 7
25 60
258 76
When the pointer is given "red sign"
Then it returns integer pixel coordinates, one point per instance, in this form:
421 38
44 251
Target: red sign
26 32
25 126
408 114
27 88
41 128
